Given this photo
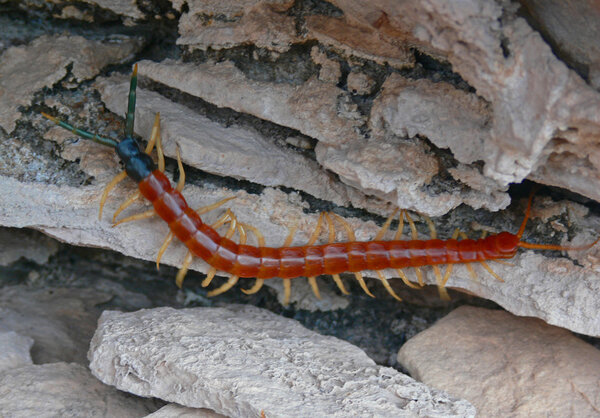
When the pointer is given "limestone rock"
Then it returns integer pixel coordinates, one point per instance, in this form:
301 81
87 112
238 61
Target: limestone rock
541 111
242 360
225 24
65 390
14 350
127 8
506 365
19 79
313 108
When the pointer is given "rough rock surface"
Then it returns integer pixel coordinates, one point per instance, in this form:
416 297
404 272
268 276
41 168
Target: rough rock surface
242 360
14 350
540 113
19 79
63 390
507 365
60 321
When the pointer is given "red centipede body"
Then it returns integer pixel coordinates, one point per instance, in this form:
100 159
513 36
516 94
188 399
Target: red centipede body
311 260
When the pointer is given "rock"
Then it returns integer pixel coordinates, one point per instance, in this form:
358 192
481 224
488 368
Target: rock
60 321
63 390
356 40
127 8
360 83
19 79
15 243
230 151
173 410
330 71
314 108
242 360
542 115
226 24
506 365
14 350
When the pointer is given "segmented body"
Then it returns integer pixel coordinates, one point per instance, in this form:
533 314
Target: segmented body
311 260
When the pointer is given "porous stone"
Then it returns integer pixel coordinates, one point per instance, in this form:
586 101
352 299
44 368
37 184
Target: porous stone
242 360
540 113
121 7
315 108
330 71
360 83
19 79
60 321
63 390
14 350
507 365
358 40
225 24
231 151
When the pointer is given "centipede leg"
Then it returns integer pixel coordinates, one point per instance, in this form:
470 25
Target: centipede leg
414 236
184 269
487 266
116 180
436 269
450 266
287 283
397 236
138 217
163 247
233 279
261 243
468 265
135 196
228 216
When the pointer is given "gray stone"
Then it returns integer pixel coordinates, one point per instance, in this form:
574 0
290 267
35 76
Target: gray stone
63 390
315 108
19 79
15 243
507 365
14 350
60 321
121 7
242 360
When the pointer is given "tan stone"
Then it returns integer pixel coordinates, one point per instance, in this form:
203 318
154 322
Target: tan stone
507 365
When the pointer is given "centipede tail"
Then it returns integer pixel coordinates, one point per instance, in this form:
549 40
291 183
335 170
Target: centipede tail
287 262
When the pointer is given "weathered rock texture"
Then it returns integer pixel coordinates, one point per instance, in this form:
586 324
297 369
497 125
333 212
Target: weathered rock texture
177 411
20 79
507 365
63 390
242 360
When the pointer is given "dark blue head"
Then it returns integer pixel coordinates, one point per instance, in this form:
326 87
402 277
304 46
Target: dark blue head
138 164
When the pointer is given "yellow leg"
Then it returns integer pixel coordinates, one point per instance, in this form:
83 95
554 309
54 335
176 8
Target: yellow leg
184 268
135 196
223 288
261 243
450 266
414 236
312 281
351 238
385 226
287 291
163 247
397 237
468 265
138 217
228 216
181 181
387 286
155 133
116 180
436 269
492 272
233 279
159 149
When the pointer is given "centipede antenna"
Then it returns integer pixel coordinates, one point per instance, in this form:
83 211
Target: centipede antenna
527 213
84 134
130 118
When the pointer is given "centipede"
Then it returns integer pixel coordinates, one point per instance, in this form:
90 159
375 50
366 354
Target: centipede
242 260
